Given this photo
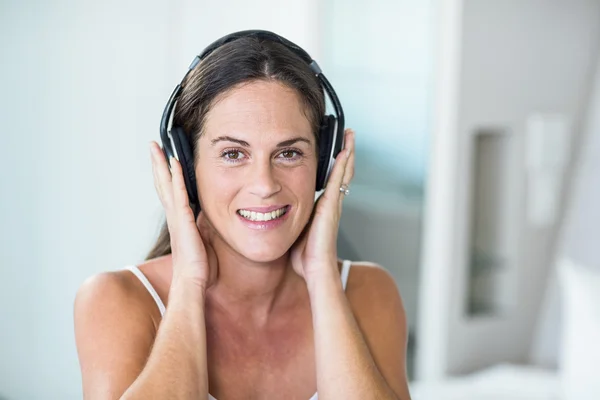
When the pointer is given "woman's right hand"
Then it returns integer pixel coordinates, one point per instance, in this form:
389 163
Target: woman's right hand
194 259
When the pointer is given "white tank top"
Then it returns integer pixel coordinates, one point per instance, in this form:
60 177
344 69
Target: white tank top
136 271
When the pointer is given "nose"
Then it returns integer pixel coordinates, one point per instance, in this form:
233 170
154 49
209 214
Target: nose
262 180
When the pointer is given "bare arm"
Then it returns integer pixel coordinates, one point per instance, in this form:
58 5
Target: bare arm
176 368
121 353
364 359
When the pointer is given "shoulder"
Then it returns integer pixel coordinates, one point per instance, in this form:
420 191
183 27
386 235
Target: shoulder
368 279
122 290
114 331
375 300
106 288
377 307
104 283
107 297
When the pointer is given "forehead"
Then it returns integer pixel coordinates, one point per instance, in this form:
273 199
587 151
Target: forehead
258 109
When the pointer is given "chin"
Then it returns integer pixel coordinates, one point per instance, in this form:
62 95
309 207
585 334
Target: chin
262 252
263 257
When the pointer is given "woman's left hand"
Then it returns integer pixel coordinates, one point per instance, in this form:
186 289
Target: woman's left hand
315 251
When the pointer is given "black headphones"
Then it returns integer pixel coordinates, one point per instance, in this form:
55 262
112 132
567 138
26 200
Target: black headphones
331 139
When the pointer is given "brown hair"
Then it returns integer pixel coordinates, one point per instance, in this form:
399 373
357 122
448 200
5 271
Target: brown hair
241 61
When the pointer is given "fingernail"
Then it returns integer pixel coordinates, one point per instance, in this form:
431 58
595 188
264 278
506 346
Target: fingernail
347 153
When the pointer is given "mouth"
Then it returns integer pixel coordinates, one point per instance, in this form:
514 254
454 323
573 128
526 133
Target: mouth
268 215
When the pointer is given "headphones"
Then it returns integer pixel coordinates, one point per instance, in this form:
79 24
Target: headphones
175 142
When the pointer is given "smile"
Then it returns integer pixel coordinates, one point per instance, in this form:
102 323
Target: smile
260 216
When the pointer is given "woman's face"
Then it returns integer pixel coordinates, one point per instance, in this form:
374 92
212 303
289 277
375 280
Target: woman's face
256 169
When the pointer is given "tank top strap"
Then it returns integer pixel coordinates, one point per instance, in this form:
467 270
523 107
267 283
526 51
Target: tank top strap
140 275
345 272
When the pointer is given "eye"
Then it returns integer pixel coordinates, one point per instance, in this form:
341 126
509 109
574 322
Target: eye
290 154
232 155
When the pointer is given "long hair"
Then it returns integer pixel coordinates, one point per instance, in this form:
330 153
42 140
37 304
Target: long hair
241 61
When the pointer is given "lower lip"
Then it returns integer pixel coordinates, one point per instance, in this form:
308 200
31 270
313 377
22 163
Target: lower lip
265 225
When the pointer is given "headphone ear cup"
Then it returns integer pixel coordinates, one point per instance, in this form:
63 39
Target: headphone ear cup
325 147
186 159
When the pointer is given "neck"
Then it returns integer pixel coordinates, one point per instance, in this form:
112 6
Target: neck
248 289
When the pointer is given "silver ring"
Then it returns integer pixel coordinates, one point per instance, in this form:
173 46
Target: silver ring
344 189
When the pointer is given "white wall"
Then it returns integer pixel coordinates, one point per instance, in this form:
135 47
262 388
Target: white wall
83 87
579 240
578 236
515 58
439 217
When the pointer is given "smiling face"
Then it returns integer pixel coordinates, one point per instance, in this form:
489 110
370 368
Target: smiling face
256 169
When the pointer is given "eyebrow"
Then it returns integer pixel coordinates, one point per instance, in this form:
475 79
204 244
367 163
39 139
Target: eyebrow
243 143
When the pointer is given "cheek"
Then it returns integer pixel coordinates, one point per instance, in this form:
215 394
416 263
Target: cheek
215 186
302 183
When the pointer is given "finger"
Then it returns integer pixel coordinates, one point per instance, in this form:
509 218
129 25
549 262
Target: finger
349 144
349 169
180 197
162 176
332 190
181 201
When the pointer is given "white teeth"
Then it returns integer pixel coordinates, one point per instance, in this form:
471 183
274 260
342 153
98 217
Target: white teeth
258 216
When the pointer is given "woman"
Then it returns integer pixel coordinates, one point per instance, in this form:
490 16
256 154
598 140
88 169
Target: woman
249 299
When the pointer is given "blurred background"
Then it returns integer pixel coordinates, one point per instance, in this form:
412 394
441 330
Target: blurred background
477 182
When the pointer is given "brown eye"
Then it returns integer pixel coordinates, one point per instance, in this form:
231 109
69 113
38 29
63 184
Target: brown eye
290 155
232 155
